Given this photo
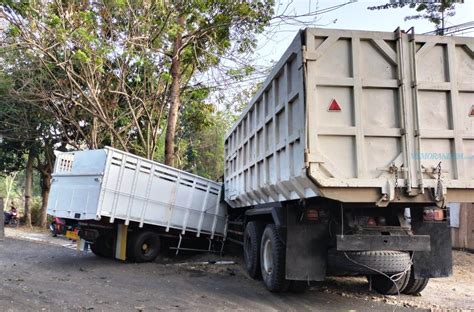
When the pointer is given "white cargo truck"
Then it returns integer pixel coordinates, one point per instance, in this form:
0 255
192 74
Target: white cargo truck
346 157
128 206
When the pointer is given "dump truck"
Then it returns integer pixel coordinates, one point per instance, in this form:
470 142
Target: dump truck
129 207
346 158
342 164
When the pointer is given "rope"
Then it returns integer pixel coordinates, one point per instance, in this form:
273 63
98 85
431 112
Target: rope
394 278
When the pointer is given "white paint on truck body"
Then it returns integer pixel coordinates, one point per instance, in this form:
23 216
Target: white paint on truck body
403 106
89 185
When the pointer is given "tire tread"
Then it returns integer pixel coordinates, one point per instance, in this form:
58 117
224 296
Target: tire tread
385 286
275 282
254 229
387 261
415 286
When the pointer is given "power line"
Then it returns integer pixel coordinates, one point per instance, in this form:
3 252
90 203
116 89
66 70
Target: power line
452 29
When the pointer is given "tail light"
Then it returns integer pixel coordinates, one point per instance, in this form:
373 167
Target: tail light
312 215
438 214
433 214
428 215
371 222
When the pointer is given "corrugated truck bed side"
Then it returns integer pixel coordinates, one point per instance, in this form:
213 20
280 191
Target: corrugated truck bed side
147 192
359 116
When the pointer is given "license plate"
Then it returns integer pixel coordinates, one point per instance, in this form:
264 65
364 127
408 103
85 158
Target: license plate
72 235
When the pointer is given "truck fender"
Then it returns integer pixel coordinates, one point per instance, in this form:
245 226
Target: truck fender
274 211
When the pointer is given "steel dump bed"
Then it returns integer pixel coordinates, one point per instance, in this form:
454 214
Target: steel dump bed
359 116
90 185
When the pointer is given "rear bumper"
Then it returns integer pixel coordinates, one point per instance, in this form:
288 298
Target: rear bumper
362 242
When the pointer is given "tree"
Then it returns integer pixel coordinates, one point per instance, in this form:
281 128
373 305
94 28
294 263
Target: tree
45 165
435 12
98 69
201 34
15 143
28 135
91 65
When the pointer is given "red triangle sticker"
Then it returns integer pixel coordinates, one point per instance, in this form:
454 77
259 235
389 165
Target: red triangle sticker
334 106
471 114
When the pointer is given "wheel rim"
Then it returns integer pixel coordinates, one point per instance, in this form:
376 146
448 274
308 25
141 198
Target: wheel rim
267 257
148 247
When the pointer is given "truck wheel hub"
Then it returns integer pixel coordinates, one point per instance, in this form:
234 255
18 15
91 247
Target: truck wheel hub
267 257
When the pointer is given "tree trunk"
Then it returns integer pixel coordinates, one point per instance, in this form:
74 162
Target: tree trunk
174 96
2 216
45 188
94 133
9 181
28 187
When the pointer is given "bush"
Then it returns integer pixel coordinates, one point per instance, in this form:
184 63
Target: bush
36 211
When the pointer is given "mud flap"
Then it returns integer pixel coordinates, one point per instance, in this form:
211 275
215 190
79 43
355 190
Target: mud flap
439 261
121 243
82 245
306 248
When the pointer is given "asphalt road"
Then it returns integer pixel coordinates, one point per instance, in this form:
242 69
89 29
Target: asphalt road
37 276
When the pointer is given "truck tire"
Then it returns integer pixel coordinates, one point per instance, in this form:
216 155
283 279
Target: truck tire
252 239
386 261
415 286
144 246
386 286
96 249
104 245
272 260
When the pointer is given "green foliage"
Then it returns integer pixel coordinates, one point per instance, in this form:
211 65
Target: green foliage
81 56
11 156
89 74
17 190
204 148
36 211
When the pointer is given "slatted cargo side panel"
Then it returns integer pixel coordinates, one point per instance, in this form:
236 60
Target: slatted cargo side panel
264 151
147 192
355 108
443 81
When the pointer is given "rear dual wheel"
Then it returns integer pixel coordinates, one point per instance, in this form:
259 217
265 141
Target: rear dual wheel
143 246
272 255
264 255
252 239
272 263
415 286
406 284
390 286
104 245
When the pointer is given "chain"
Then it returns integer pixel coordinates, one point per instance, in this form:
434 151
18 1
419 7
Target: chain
439 187
397 188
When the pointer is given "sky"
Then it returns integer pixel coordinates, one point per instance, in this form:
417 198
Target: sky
352 16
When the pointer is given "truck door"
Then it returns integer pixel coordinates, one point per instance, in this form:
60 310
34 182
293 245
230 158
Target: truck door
358 121
442 88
